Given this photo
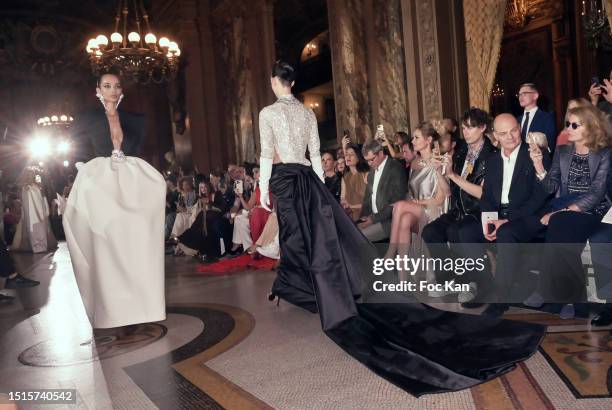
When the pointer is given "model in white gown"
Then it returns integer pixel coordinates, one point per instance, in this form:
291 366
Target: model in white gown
114 221
33 232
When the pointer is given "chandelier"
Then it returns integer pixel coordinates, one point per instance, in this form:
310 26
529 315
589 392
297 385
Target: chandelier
57 120
595 23
142 59
517 14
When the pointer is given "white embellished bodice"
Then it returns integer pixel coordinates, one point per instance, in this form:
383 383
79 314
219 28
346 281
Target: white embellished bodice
287 127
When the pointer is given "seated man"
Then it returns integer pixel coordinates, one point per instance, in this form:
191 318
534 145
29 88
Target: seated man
511 189
466 172
386 185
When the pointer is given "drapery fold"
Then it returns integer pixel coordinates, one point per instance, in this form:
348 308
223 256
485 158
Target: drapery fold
484 29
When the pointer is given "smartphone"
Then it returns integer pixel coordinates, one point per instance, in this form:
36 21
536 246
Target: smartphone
38 179
595 80
345 133
238 186
486 217
380 128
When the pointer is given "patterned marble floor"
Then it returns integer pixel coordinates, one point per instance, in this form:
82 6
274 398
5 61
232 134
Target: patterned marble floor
224 346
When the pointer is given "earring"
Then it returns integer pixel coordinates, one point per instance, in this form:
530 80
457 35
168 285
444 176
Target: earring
101 100
119 100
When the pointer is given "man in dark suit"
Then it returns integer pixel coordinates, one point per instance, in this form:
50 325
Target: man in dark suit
511 189
533 118
386 185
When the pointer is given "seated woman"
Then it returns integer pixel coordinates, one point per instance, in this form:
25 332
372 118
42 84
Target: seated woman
250 222
427 193
354 183
578 175
340 165
202 237
185 207
562 138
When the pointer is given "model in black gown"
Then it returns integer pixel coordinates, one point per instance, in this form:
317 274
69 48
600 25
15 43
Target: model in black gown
326 261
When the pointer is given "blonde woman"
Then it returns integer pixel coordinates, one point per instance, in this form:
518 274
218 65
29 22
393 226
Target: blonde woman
427 193
562 139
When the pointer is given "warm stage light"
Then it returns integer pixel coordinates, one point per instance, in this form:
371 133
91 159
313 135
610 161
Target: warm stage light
63 147
40 147
66 163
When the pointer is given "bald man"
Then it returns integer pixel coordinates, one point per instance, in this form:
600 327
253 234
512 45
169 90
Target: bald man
512 190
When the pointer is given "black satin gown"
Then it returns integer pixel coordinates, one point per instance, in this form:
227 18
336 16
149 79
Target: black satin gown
325 262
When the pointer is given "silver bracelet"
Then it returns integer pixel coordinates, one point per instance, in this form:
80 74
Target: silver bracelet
542 175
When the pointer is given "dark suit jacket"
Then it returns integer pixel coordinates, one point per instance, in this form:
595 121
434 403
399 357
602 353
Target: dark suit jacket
599 167
543 122
526 194
91 134
391 188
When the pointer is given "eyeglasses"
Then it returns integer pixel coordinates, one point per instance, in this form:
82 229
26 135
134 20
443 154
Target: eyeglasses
370 160
574 125
524 93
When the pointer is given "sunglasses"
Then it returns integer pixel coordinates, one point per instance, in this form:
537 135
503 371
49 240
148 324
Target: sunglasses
574 125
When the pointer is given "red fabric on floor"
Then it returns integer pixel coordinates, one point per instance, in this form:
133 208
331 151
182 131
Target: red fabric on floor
234 265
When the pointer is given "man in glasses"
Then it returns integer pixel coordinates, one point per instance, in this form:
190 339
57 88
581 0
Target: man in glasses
386 185
533 118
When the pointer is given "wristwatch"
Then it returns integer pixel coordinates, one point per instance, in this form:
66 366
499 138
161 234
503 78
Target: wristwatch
541 175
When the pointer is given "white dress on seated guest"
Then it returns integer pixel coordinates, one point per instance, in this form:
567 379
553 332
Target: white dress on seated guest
33 232
183 221
267 244
242 230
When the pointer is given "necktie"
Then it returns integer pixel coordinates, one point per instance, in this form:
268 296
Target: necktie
524 126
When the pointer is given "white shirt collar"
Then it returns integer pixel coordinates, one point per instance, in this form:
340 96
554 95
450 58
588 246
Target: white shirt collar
531 111
513 155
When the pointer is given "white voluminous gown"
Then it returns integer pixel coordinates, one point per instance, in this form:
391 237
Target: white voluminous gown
33 232
114 225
